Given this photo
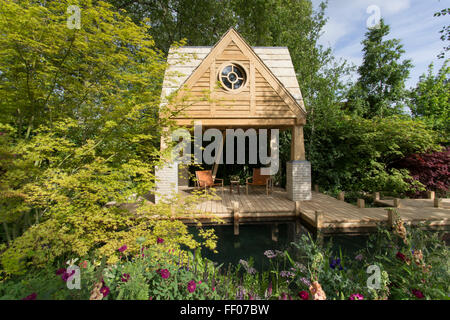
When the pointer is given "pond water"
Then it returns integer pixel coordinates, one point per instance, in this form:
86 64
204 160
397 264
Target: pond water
254 239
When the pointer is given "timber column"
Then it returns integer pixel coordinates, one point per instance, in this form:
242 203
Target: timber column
298 170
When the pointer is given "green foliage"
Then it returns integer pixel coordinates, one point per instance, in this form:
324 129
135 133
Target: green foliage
159 272
430 100
356 154
445 32
80 135
424 266
173 20
380 89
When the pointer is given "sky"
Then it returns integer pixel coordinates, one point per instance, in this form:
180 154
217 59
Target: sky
411 21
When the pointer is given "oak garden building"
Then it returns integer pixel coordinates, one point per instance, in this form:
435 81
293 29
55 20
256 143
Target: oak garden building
235 86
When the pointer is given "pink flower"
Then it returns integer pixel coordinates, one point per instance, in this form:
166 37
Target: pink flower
104 291
83 264
200 282
123 248
191 286
66 275
269 290
31 296
214 289
159 240
303 295
125 277
401 256
60 271
418 293
164 273
356 296
284 296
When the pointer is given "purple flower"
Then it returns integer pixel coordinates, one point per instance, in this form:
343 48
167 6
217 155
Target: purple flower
418 293
284 296
191 286
104 291
60 271
159 240
240 293
286 274
269 254
359 257
269 290
250 270
356 296
66 275
164 273
304 295
305 281
401 256
125 277
336 263
123 248
31 296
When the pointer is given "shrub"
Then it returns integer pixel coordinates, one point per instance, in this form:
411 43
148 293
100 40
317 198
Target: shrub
413 264
430 169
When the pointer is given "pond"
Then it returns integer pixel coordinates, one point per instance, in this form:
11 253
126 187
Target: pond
254 239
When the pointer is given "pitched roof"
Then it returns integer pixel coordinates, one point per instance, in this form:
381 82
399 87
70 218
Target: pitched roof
183 61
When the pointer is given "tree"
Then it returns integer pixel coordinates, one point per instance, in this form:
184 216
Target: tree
380 89
79 135
445 32
430 100
200 22
356 154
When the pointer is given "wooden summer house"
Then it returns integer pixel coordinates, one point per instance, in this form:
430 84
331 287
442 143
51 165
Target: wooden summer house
234 85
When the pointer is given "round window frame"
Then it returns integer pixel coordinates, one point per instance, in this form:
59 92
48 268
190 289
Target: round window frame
224 87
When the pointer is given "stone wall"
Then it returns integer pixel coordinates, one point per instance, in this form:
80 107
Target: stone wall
166 181
298 180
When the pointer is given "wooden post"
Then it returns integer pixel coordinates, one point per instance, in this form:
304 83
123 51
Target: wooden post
376 196
298 217
361 203
297 143
397 203
319 219
341 196
437 202
275 232
431 195
316 188
391 217
236 217
319 225
297 210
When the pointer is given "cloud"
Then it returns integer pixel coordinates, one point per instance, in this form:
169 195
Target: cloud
333 31
411 21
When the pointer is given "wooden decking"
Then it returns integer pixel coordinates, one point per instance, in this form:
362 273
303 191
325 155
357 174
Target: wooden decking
416 203
334 216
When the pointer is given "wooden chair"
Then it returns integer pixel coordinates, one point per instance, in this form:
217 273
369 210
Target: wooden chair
259 180
205 180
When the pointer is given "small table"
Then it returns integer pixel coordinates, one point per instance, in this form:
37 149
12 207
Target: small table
235 183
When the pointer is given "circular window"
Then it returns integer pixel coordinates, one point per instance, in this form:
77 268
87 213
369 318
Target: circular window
232 76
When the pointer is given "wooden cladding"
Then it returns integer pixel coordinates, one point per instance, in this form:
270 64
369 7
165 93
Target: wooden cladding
261 97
